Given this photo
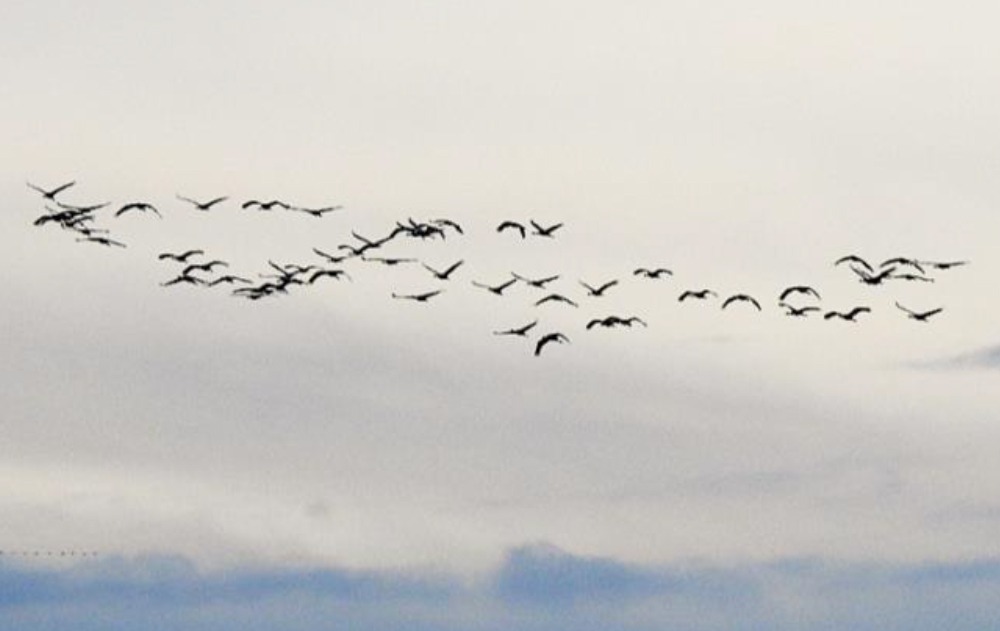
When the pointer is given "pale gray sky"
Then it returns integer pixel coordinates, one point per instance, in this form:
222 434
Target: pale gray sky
744 145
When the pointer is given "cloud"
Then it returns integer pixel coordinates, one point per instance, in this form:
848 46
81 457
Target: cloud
983 358
536 588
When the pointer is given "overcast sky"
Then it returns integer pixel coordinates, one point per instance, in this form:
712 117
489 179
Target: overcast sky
746 146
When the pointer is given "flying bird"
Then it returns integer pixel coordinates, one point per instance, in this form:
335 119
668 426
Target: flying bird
316 212
549 338
556 298
203 206
418 230
184 278
329 257
203 267
332 273
799 289
445 274
902 260
366 244
848 316
102 241
873 279
652 273
741 298
852 258
140 207
513 225
85 230
83 209
229 279
945 265
701 294
597 292
51 193
268 205
544 231
180 258
287 274
496 289
259 291
919 316
389 262
295 268
521 331
448 223
797 312
538 283
613 321
66 218
418 297
912 277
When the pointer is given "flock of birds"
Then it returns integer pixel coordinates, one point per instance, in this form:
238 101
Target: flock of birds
196 269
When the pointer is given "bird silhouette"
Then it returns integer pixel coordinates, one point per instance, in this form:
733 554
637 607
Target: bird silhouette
923 316
290 270
203 267
538 283
556 298
902 260
521 331
418 230
366 244
66 218
329 257
354 250
50 194
741 298
180 258
513 225
268 205
615 321
652 273
295 268
203 206
140 207
550 338
544 231
912 278
797 312
946 265
495 289
873 279
700 294
388 262
259 291
83 209
316 212
597 292
85 230
330 273
448 223
424 297
184 278
445 274
102 241
229 279
849 316
798 289
853 258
